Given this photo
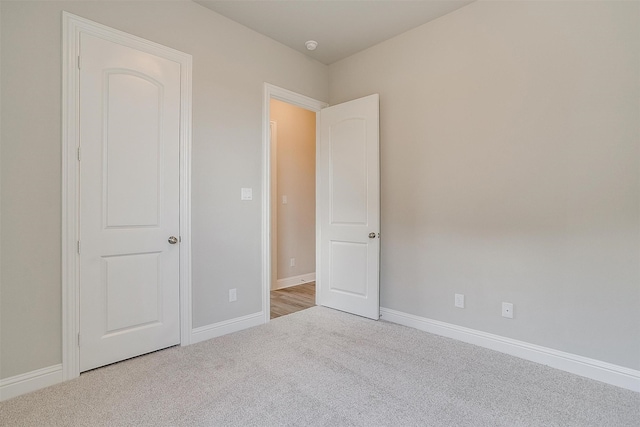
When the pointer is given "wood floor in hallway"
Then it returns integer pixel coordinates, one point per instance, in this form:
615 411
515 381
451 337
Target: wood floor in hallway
295 298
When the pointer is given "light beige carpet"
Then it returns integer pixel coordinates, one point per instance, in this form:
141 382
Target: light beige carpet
321 367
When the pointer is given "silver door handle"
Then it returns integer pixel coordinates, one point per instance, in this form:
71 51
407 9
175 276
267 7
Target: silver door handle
372 235
173 240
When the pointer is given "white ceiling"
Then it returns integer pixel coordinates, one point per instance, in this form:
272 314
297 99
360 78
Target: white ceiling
340 27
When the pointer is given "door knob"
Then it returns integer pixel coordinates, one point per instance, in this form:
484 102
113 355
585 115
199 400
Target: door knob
372 235
173 240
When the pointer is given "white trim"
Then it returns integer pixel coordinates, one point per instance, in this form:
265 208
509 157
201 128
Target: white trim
186 298
318 215
274 92
287 282
30 381
0 208
72 27
204 333
573 363
273 175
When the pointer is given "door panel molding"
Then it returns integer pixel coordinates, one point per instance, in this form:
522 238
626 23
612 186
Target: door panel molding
73 26
275 92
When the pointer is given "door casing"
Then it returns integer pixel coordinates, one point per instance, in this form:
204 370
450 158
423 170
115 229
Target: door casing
73 26
275 92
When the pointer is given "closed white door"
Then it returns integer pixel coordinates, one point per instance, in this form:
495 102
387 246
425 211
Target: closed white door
349 207
129 202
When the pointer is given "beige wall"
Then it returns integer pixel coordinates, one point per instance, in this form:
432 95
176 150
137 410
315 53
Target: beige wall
296 179
510 136
509 159
230 66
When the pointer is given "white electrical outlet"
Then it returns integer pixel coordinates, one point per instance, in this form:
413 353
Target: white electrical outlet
233 295
292 262
459 300
507 310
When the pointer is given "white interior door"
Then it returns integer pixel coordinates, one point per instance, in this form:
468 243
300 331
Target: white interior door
129 202
349 207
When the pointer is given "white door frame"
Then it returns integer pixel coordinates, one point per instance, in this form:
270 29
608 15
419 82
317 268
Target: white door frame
273 189
275 92
72 27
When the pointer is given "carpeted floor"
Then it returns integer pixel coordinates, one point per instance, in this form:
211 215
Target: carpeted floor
320 367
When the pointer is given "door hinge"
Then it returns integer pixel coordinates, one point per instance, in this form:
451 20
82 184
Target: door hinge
78 340
78 153
78 247
78 62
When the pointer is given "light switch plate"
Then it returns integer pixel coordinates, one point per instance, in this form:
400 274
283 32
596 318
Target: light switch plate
246 194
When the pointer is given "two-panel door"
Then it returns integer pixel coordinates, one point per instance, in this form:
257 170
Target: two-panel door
129 202
349 207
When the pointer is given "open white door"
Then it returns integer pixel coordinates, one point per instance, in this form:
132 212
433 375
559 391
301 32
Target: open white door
349 207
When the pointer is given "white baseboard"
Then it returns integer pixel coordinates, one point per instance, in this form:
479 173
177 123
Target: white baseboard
45 377
30 381
573 363
204 333
295 280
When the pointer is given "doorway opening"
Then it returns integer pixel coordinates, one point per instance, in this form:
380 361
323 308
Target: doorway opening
289 227
347 202
293 206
